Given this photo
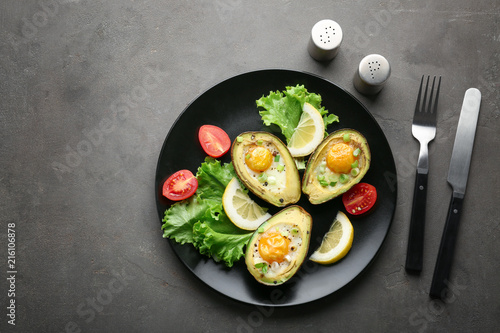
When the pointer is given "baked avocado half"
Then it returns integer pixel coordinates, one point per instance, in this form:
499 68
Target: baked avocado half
279 246
264 165
339 162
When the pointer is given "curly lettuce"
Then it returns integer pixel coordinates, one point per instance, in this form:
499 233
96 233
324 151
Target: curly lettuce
201 220
284 108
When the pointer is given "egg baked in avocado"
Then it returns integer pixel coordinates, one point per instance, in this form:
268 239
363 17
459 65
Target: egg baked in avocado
264 165
339 162
279 246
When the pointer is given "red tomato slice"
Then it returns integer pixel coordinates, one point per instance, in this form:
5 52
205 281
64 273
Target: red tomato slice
360 198
214 140
181 185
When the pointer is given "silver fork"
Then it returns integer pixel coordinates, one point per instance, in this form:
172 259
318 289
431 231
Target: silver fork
424 130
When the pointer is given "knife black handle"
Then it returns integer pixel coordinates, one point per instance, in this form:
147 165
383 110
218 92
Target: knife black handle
440 280
415 251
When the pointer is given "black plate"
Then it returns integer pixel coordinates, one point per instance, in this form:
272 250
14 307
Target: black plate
231 106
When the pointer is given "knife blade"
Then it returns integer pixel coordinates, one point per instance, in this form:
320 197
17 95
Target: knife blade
458 174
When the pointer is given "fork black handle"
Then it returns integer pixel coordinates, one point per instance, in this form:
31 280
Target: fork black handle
415 251
440 279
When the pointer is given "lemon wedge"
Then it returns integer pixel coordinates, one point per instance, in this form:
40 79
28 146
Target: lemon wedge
241 209
336 242
309 132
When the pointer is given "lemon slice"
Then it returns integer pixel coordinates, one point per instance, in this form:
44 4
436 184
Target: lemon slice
241 210
309 132
336 242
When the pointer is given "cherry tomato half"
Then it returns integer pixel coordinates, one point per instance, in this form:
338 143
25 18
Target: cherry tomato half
360 198
214 140
181 185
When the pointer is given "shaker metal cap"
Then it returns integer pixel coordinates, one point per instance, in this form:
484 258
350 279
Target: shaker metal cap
372 74
326 37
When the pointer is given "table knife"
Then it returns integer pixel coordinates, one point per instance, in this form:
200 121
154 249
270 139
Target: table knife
457 178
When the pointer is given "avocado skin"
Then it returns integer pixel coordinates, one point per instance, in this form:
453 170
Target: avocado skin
299 218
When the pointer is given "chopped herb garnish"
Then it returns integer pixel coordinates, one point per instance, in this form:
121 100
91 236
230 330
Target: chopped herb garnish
333 179
343 178
323 183
347 137
262 266
239 139
355 164
262 177
356 152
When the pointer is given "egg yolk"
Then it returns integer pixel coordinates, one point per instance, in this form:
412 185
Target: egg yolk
273 247
340 158
259 158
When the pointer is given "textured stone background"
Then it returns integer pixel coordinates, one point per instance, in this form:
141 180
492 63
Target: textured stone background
89 90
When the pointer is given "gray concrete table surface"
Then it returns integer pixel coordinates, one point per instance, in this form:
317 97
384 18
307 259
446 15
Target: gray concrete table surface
89 90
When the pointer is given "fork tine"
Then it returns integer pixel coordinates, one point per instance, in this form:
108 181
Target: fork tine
425 93
437 96
429 107
417 107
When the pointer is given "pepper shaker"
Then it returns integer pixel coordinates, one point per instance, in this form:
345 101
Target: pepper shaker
372 74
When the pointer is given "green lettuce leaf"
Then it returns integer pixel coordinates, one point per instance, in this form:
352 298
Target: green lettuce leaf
180 218
284 108
213 178
201 220
220 240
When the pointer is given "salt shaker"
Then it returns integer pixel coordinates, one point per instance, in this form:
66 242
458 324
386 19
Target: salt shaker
326 37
